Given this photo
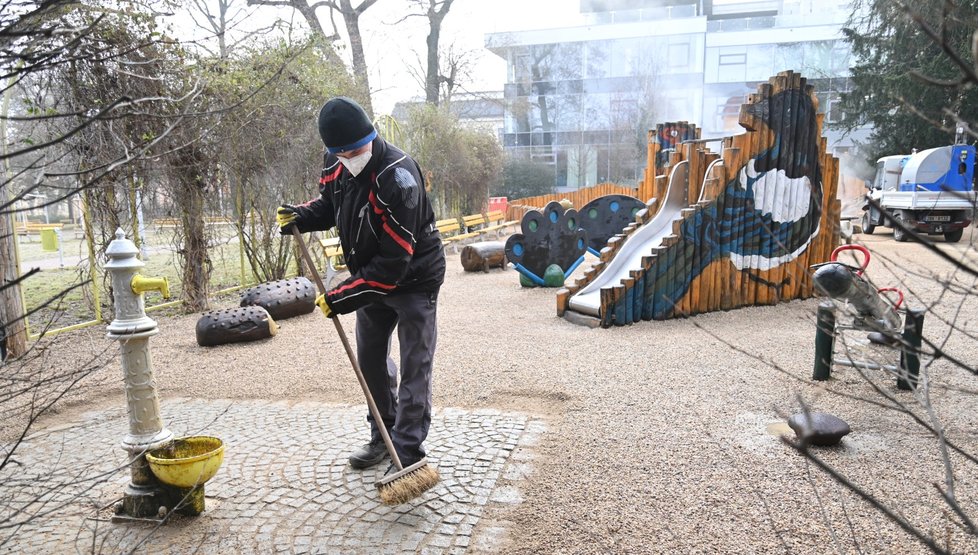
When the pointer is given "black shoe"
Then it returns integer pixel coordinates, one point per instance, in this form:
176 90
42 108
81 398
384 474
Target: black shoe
368 455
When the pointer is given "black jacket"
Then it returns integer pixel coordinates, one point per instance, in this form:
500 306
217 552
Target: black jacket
386 227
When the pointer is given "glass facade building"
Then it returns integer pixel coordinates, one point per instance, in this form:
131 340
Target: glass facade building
582 99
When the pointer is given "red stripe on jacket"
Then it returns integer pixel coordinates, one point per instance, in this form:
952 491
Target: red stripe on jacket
359 282
383 217
331 177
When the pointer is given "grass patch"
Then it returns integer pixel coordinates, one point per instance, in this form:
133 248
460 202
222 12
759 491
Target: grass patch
64 296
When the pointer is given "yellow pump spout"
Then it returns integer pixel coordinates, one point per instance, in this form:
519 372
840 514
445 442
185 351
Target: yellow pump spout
141 284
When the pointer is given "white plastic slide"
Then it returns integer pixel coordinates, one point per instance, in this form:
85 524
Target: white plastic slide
639 244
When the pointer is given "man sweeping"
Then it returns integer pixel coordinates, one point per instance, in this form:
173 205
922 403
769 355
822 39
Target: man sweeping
374 194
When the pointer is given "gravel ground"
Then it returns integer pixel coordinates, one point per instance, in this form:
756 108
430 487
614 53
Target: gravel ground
657 433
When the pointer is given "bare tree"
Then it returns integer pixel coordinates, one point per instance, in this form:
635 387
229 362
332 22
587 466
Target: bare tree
221 20
434 11
455 70
351 20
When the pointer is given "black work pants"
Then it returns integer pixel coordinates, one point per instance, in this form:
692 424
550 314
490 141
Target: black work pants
405 409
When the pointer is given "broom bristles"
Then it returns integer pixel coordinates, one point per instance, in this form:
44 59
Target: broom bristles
409 486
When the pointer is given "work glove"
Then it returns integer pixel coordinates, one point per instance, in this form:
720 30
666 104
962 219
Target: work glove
286 217
324 306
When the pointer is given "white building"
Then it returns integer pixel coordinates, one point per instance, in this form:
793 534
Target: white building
582 98
482 110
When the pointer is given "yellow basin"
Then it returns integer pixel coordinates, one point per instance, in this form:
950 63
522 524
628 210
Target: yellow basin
187 462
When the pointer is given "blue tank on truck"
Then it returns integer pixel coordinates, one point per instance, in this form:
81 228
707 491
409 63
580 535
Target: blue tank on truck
931 192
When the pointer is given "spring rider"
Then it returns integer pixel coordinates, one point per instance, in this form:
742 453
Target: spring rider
865 308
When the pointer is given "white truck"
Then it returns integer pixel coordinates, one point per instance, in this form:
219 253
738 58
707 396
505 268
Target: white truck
931 192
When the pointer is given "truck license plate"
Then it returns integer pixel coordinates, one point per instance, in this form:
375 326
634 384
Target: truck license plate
938 218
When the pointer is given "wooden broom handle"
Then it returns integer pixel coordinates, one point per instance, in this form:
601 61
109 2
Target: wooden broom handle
381 427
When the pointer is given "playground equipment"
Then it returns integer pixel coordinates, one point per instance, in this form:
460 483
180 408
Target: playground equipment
145 496
234 325
283 298
723 232
550 248
605 217
864 308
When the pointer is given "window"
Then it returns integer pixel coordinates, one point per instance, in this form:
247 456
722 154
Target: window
540 138
733 59
597 59
569 61
573 86
568 138
624 52
561 168
679 55
760 62
830 104
727 115
732 66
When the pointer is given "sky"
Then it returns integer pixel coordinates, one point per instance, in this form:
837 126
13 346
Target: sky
389 47
392 46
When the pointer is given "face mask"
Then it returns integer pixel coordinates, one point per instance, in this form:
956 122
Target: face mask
356 163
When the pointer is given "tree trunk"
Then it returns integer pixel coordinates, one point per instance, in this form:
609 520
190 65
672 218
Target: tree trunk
352 19
436 15
309 14
196 262
13 334
13 327
431 77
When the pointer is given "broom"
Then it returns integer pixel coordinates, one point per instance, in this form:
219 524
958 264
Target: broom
407 483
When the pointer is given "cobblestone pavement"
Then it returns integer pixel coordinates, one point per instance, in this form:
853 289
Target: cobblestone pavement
284 486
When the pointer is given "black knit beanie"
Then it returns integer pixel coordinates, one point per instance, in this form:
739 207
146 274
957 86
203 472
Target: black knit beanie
344 125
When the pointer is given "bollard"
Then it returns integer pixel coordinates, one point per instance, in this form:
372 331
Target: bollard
913 333
824 341
132 328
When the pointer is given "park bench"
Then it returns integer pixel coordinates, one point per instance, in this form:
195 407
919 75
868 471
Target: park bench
333 253
448 229
29 229
476 225
176 222
166 222
464 227
473 222
218 220
496 222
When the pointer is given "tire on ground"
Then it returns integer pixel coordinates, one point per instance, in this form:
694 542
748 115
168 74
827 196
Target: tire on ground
234 325
898 234
283 298
867 223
